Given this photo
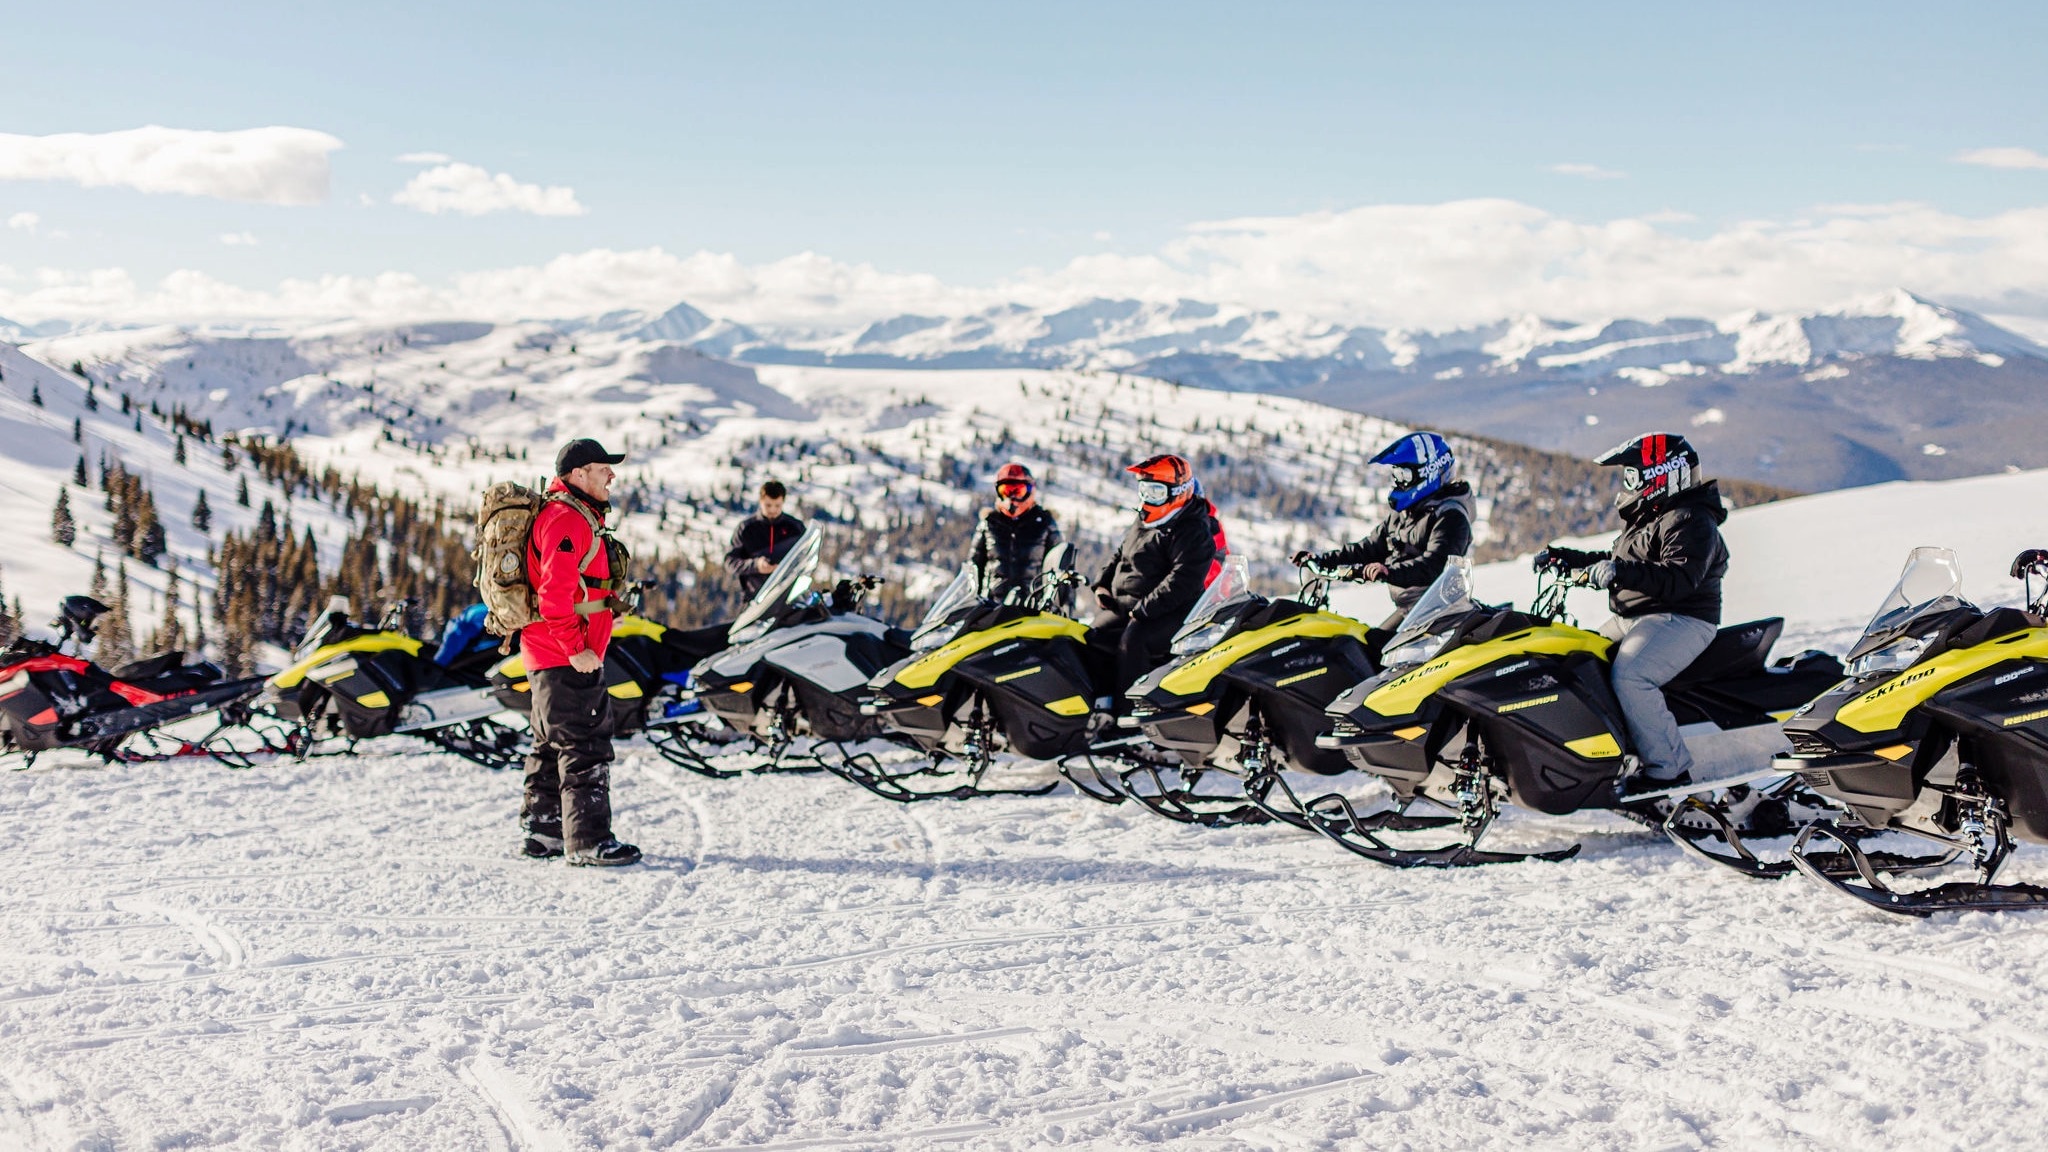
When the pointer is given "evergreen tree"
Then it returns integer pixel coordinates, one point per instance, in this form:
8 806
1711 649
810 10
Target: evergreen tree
178 453
63 529
116 644
10 626
78 472
227 457
92 401
150 539
35 395
170 632
202 516
98 588
138 421
77 430
242 492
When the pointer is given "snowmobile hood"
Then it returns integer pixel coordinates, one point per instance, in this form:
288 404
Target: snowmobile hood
1192 677
373 642
1405 692
1885 707
924 671
736 661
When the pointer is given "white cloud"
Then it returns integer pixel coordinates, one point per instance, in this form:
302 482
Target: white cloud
2003 158
24 221
424 158
238 239
267 165
1587 171
1431 266
472 191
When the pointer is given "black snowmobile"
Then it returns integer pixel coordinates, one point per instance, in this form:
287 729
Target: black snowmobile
49 699
986 676
1940 731
1480 706
1243 697
351 682
799 662
647 675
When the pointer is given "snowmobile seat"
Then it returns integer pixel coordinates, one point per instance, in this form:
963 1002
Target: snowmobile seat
150 667
1737 650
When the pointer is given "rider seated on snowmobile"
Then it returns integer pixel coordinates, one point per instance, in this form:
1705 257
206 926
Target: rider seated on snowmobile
1011 540
1156 574
464 635
1663 582
1431 522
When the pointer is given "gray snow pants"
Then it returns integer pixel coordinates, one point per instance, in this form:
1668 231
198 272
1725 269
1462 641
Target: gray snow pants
1650 651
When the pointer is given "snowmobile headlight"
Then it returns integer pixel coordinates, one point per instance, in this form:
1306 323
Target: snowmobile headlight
1201 639
1415 651
1890 658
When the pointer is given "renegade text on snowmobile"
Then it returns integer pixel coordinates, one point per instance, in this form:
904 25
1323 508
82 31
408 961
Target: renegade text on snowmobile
1244 695
984 677
50 699
798 663
351 683
1481 705
1940 730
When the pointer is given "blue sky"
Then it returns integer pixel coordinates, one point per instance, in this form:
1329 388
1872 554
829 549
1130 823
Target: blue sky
976 143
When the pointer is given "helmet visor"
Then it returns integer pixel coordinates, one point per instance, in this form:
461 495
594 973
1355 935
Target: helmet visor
1154 491
1013 489
1406 476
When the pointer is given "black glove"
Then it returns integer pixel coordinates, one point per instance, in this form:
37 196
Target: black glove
2033 559
1301 557
1557 558
844 598
1103 598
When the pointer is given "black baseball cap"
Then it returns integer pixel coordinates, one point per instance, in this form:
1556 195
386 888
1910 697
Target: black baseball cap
576 453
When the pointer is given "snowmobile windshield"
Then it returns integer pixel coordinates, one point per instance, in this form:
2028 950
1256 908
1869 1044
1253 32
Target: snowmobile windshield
943 619
1450 595
1212 615
789 583
1930 584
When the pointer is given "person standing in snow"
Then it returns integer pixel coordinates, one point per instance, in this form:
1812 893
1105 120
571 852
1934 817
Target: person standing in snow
1430 523
1156 574
761 540
1663 582
573 565
1011 540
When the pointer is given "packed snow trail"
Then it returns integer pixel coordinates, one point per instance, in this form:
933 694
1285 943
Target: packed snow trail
348 953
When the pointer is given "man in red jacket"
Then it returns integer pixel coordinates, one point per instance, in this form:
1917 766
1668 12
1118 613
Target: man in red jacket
568 805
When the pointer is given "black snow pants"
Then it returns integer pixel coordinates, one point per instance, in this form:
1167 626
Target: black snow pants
1126 649
568 773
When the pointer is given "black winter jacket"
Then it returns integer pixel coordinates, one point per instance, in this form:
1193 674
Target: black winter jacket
1414 543
755 538
1008 550
1668 558
1159 572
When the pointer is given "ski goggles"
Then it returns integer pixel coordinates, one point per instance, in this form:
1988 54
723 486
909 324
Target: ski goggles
1013 489
1157 492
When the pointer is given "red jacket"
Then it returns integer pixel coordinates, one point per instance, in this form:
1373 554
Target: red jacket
561 539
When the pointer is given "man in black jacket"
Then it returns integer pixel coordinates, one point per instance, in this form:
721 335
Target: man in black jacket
1156 574
761 540
1431 522
1011 539
1663 582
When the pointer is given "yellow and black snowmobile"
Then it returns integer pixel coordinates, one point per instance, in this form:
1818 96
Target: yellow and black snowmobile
647 675
351 682
1480 706
1243 697
985 677
1940 730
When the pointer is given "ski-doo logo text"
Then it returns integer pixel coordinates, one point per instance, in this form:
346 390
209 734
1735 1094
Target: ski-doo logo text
1901 682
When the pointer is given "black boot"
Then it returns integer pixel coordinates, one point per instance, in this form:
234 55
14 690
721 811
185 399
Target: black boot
543 841
606 854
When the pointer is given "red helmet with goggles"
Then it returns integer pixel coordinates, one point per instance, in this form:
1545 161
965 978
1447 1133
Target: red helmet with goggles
1165 484
1014 486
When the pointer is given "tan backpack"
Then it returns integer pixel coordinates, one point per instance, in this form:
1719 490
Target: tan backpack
504 534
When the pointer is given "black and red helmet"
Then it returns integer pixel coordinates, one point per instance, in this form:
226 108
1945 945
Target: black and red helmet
1014 487
1654 466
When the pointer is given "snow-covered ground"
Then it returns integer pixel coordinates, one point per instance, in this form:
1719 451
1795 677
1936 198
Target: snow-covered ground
346 953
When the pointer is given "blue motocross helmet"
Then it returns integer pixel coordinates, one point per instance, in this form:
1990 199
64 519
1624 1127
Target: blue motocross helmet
1422 463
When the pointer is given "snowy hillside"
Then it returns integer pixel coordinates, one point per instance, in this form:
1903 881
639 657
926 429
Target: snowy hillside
347 953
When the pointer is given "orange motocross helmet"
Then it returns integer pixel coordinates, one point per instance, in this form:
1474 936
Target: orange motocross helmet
1165 485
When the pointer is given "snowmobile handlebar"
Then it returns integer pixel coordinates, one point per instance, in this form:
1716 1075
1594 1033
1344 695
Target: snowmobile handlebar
2027 565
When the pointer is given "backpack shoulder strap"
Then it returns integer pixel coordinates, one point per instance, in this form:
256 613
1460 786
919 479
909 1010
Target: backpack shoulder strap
597 531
